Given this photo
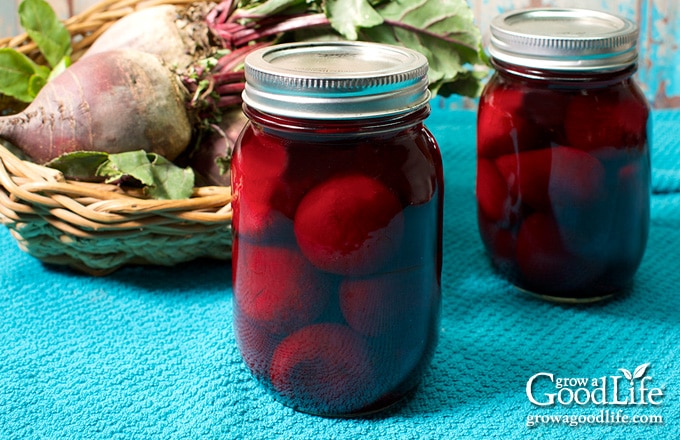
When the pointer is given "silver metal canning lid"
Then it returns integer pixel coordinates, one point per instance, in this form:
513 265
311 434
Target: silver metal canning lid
564 39
335 80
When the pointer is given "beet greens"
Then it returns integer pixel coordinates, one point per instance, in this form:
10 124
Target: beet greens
443 31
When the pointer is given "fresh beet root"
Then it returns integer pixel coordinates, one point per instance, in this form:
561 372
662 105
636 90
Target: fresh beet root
167 31
324 369
349 225
207 158
114 101
210 159
278 289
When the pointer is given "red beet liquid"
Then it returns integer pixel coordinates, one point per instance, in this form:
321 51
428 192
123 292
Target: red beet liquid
337 259
563 182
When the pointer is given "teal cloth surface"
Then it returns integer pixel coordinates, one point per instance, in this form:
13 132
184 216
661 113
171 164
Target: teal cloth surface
149 352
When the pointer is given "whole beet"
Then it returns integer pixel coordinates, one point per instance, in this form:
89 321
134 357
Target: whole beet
176 34
217 147
114 101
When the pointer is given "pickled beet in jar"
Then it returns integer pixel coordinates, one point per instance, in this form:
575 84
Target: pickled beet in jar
563 163
337 203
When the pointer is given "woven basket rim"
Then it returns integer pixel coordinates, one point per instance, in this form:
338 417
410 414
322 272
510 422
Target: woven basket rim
31 182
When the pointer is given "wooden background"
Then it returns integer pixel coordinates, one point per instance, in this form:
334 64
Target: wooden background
659 22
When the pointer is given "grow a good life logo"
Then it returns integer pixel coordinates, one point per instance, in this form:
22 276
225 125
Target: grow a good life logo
613 395
605 390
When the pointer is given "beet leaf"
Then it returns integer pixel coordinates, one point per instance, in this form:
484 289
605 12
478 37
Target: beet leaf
20 77
442 30
158 177
346 17
44 27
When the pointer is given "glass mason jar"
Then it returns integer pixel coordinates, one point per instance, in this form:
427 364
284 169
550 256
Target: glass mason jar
563 169
337 203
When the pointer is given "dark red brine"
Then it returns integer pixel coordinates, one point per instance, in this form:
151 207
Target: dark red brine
337 226
563 169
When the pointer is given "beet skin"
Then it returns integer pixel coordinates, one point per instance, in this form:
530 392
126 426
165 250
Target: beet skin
114 101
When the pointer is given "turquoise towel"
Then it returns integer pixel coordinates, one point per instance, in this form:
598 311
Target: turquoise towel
149 353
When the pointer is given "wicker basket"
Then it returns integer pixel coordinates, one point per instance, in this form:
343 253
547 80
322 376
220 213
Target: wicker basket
98 228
